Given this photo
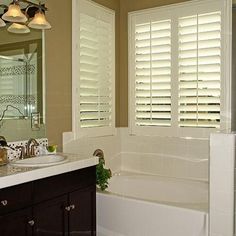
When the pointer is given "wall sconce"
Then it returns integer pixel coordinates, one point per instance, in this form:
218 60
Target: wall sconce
39 21
14 14
18 28
20 17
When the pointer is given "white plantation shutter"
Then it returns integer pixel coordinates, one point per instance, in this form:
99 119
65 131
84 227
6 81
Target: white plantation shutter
94 70
180 69
153 73
200 70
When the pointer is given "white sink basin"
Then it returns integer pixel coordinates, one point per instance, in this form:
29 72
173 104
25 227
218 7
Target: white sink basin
40 161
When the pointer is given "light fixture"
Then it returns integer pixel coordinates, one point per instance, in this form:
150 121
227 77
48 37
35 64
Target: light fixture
14 14
18 28
39 21
17 15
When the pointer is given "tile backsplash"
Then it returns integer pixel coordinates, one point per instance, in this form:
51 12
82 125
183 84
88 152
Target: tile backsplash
12 154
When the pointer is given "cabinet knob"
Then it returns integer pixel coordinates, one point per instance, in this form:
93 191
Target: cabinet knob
4 202
70 207
31 222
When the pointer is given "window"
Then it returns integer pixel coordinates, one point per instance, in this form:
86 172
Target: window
93 69
179 69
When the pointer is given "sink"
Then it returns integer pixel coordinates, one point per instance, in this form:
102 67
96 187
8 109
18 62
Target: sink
40 161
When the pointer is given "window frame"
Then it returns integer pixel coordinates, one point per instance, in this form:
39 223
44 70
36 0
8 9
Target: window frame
174 12
77 7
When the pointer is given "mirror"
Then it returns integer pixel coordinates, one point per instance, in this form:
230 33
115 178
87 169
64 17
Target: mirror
22 95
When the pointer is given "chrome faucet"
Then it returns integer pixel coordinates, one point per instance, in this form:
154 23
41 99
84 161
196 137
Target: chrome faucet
30 147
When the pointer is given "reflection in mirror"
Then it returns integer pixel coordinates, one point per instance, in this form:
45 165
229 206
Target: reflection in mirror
21 85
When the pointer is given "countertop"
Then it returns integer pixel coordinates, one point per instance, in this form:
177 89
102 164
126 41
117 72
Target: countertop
11 175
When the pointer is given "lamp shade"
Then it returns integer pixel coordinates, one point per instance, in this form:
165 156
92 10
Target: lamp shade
39 22
14 14
18 29
2 23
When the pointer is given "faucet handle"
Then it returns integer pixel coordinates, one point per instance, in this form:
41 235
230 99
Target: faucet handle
32 150
22 151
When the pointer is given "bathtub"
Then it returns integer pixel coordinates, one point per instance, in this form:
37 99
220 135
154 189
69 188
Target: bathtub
144 205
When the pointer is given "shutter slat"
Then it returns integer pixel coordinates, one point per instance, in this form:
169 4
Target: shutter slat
203 124
199 100
200 108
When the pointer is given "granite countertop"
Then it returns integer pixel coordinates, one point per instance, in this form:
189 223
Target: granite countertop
11 175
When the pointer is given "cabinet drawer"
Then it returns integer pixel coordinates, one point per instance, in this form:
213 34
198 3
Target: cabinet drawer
15 197
61 184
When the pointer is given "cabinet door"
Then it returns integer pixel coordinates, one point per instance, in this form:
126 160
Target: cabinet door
51 218
17 223
82 218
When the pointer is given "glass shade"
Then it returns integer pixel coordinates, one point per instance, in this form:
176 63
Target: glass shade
18 29
39 22
14 14
2 23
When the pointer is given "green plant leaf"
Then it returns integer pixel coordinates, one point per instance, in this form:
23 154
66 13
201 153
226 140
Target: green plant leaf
102 175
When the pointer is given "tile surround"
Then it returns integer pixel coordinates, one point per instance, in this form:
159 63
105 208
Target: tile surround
222 171
166 156
176 158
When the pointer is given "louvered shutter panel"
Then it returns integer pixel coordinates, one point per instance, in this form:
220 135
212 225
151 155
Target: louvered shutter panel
95 72
200 70
153 73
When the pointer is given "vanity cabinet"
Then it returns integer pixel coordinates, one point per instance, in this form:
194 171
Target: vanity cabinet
50 217
16 223
60 205
82 216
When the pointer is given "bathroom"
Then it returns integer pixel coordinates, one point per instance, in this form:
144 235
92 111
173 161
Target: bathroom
178 168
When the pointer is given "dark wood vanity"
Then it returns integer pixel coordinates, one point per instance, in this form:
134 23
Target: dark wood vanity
64 205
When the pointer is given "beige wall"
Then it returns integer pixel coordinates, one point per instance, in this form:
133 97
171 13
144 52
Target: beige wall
58 62
58 70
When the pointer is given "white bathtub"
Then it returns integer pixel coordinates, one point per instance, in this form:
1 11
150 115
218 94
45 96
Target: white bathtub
142 205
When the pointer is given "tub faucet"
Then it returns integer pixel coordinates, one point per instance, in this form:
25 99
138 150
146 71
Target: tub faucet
100 154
